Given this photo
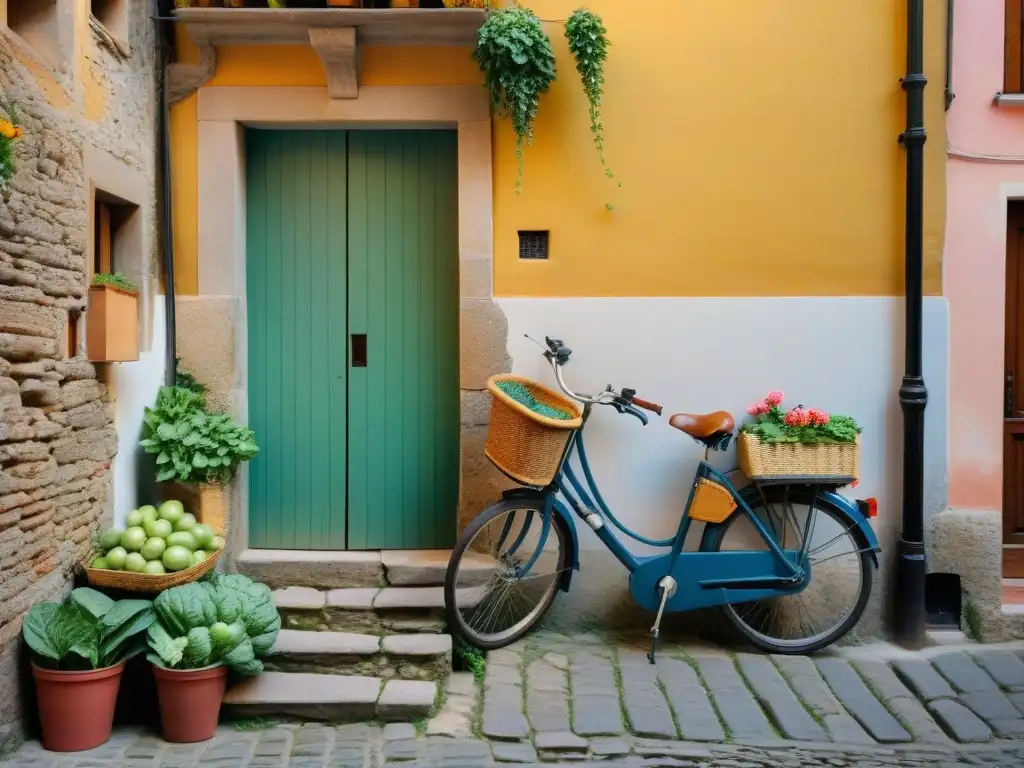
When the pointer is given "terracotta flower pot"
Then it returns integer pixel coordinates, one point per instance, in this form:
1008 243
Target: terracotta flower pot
76 709
190 701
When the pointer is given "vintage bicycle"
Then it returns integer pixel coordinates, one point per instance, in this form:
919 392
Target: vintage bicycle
788 560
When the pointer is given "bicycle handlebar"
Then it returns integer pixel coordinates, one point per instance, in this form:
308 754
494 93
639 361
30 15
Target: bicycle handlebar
625 401
647 405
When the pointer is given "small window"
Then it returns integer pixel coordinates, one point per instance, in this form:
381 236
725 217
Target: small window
1013 70
113 15
533 244
111 234
35 22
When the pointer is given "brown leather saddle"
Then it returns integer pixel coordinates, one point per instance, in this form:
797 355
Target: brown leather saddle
712 429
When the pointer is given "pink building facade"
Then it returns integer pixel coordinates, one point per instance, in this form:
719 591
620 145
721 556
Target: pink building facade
985 179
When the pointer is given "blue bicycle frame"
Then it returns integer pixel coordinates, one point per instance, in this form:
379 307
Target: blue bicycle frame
703 578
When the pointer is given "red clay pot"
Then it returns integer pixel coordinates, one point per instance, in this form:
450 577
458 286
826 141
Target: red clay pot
190 701
76 709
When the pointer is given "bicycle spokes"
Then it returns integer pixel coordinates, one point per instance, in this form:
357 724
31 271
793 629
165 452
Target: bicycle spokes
834 559
525 560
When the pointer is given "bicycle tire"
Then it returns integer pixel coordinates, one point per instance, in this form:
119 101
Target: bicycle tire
456 624
712 541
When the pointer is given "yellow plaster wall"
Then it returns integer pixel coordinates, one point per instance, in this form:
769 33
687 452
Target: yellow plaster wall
755 143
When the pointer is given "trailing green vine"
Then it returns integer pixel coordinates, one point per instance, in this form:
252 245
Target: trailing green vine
518 64
588 44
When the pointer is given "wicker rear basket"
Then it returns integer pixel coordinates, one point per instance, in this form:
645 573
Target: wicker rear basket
839 462
525 445
149 583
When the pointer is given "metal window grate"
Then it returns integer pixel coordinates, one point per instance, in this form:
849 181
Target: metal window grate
533 244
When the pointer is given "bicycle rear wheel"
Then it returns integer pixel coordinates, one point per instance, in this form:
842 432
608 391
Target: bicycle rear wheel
840 571
504 573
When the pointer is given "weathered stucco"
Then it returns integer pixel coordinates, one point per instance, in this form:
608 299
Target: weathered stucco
57 422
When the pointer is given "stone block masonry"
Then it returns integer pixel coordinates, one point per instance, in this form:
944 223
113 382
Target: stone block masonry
57 420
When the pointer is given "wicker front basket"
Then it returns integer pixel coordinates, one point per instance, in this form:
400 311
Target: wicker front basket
525 445
149 583
799 461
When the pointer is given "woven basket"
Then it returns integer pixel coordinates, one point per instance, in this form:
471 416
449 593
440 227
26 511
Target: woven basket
144 582
523 444
208 502
810 461
711 502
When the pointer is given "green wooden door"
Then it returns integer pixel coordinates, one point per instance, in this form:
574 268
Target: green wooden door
403 294
352 273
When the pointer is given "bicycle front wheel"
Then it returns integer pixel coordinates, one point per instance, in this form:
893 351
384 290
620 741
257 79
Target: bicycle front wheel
840 571
504 573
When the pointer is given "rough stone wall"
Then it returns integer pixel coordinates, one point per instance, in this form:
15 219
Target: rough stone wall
57 432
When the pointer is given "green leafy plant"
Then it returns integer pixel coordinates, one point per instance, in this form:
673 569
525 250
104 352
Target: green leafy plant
518 64
772 424
10 132
87 631
186 380
474 660
229 619
191 444
115 280
588 44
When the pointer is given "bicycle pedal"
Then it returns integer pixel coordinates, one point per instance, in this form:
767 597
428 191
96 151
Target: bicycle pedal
654 648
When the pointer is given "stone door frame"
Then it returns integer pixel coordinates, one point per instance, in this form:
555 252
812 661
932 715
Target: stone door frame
220 308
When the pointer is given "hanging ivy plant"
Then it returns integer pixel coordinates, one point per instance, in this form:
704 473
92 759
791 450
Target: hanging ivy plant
518 64
588 44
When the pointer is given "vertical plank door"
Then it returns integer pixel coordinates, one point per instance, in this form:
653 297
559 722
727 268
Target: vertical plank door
1013 405
296 241
403 299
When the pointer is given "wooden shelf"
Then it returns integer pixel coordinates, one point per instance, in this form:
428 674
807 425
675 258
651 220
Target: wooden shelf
389 26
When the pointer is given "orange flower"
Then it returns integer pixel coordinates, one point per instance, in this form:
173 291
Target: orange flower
17 132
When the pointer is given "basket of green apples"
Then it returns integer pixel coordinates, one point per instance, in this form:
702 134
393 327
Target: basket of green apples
160 548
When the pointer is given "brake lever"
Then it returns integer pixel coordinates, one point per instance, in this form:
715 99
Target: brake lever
623 408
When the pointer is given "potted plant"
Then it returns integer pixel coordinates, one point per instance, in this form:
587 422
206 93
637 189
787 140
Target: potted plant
10 132
202 631
112 329
79 649
801 443
196 448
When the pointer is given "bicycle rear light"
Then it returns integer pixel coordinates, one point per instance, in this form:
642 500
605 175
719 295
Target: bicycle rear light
868 507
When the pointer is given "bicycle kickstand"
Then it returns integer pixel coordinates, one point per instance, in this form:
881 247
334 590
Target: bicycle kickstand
667 587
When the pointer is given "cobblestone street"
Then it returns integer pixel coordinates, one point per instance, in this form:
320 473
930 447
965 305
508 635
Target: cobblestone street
589 701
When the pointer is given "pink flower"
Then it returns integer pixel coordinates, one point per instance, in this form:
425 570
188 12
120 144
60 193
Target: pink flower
798 417
818 417
774 398
758 409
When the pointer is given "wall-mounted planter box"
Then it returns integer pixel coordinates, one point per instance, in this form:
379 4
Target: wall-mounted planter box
112 325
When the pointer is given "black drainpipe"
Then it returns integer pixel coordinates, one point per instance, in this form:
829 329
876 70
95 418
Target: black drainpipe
911 567
163 57
950 12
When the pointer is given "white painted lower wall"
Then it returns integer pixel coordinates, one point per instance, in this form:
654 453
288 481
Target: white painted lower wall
133 386
704 354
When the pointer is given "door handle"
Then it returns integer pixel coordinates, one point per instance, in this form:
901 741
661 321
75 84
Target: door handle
358 350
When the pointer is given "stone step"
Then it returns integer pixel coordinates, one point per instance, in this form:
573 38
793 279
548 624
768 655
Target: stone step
338 698
280 568
427 567
382 611
405 657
